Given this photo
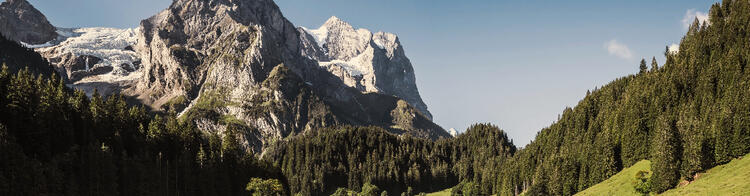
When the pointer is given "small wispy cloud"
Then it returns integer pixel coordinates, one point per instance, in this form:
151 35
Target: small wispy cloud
618 49
691 15
674 48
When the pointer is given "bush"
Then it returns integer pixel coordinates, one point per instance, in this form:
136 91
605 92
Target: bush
264 187
369 190
642 182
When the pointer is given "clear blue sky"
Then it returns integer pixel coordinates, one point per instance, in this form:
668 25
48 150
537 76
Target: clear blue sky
516 64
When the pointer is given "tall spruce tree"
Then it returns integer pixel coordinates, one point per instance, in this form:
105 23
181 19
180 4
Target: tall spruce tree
665 155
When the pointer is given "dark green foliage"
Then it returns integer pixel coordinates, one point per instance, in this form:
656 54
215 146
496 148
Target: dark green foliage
261 187
369 190
665 155
642 183
55 141
466 188
17 58
319 162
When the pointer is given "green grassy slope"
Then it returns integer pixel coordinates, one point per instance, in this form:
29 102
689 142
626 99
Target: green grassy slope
732 178
620 183
446 192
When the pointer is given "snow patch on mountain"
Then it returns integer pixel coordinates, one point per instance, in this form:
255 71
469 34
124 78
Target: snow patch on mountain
108 44
32 46
320 35
453 132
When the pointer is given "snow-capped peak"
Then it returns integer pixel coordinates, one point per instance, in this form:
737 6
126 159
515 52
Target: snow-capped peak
361 58
453 132
333 20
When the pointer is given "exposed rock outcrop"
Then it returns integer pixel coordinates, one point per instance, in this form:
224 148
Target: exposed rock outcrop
20 21
370 62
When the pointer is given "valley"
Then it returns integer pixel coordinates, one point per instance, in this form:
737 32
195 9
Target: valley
228 97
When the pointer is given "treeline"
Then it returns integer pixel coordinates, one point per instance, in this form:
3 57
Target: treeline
686 116
321 162
54 141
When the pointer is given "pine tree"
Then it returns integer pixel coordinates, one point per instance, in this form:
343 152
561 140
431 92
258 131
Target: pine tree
654 65
664 155
643 67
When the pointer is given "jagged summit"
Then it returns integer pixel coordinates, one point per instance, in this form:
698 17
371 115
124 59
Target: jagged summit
370 62
20 21
333 20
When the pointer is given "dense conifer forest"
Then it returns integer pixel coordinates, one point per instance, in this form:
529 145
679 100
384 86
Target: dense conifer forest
686 115
354 156
55 141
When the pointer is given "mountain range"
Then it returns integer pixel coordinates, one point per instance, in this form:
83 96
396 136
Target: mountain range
209 61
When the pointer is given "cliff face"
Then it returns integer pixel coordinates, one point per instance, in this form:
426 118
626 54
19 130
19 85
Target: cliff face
20 21
370 62
233 66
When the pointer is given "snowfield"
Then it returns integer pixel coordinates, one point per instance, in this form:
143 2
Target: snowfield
107 44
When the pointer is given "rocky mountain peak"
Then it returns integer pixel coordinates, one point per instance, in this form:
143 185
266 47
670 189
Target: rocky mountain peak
370 62
20 21
336 22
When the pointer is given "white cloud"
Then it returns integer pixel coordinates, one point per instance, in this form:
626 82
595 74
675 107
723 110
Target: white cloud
691 15
618 49
674 48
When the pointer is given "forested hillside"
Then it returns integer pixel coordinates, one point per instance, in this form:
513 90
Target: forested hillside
687 115
55 141
350 157
17 57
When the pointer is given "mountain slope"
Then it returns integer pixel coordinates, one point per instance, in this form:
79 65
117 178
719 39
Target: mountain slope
620 183
17 57
20 21
370 62
726 179
196 49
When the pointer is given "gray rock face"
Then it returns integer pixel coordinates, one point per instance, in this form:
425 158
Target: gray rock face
20 21
215 55
370 62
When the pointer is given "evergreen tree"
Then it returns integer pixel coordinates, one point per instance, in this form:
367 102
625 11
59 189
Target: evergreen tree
665 155
643 68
